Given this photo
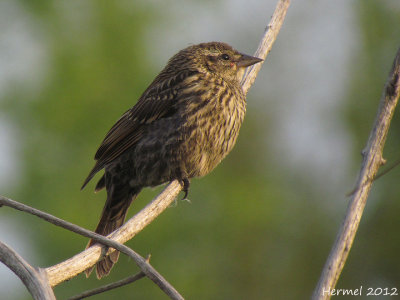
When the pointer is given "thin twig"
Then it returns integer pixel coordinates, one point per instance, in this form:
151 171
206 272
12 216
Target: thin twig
387 170
109 287
140 261
34 279
372 160
268 39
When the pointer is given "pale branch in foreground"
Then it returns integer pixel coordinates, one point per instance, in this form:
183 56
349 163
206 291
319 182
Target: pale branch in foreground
34 279
143 264
81 261
372 161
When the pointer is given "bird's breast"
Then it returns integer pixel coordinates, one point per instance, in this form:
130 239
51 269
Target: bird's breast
213 122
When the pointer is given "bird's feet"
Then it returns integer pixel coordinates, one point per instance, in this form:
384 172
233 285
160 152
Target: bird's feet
185 187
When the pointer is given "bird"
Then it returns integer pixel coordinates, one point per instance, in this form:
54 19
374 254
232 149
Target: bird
182 126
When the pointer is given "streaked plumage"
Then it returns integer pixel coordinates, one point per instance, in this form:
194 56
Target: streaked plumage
183 125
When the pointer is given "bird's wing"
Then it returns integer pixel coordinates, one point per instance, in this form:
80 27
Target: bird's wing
157 102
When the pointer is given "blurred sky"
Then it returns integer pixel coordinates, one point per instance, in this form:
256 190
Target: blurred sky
304 79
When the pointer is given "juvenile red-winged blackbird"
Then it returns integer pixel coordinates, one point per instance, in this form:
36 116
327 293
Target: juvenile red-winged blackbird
183 125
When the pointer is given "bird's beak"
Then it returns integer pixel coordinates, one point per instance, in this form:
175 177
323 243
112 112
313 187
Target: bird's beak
247 60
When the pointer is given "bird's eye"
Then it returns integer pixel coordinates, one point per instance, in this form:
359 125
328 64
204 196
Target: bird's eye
225 56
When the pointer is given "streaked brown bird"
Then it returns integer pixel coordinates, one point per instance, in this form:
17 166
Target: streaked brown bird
183 125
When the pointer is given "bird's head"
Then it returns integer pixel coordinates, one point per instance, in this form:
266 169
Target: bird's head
217 58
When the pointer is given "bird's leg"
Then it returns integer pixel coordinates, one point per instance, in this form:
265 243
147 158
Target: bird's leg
185 186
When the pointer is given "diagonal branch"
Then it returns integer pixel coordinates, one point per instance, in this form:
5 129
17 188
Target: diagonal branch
81 261
372 161
146 268
108 287
270 34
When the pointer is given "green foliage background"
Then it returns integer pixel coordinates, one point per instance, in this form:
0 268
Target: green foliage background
253 229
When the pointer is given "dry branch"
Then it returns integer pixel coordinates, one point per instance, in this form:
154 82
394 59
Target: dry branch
372 160
143 264
81 261
34 279
270 34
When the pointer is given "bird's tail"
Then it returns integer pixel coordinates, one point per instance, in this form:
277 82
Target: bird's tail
112 217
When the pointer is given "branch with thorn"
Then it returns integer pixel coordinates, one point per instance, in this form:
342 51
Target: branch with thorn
372 161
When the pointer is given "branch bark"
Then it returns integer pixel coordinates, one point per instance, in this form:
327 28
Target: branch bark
372 161
143 264
34 279
80 262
